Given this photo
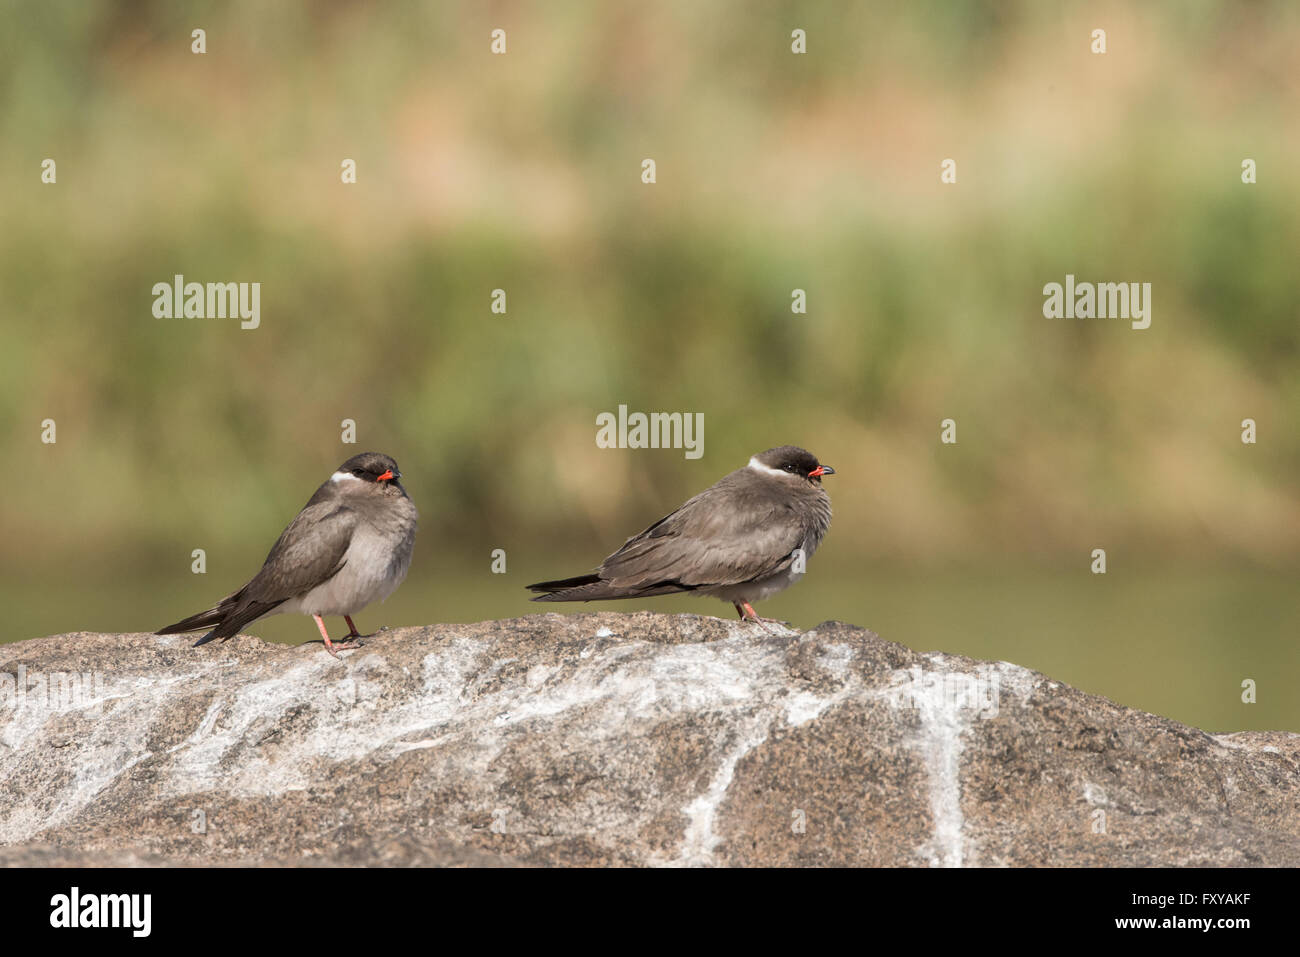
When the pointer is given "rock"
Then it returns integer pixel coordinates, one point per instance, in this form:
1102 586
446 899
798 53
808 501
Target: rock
642 739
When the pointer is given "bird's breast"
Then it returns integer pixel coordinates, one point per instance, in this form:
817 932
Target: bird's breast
375 563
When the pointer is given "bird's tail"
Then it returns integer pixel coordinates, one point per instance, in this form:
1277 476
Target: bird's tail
204 619
578 588
594 588
227 618
554 590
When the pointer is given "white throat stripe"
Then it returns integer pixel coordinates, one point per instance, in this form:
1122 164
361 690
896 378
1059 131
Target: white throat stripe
758 466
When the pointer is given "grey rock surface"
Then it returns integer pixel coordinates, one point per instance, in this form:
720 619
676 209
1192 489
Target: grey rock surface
608 739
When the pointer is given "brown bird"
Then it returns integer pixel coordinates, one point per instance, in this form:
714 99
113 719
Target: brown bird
742 540
350 545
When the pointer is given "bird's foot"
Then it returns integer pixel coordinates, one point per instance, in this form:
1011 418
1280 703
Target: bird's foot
353 633
345 644
747 613
334 647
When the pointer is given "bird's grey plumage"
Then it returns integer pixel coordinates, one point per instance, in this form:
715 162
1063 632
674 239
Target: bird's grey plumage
737 540
350 545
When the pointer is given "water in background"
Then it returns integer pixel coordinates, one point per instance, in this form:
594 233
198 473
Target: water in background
1176 643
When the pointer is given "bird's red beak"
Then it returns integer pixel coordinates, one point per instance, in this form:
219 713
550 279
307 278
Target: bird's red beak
820 471
388 474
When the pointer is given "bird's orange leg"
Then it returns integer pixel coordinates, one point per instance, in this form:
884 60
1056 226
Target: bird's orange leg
329 645
747 613
351 640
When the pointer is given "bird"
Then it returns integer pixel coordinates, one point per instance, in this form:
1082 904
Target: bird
743 539
349 546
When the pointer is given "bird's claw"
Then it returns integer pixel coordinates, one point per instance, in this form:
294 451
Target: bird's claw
747 613
345 644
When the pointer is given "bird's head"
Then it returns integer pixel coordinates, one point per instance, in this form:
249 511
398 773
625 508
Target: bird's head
791 463
375 468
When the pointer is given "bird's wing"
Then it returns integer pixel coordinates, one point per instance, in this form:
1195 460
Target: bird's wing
308 553
699 546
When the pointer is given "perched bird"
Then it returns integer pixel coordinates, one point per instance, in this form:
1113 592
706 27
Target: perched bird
743 539
350 545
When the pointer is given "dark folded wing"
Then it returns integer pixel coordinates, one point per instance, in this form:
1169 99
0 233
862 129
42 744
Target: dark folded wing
699 546
308 553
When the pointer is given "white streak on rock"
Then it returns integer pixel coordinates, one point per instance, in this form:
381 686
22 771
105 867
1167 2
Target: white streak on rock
700 839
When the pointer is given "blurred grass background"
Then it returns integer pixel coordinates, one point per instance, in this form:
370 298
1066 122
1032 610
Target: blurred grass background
775 172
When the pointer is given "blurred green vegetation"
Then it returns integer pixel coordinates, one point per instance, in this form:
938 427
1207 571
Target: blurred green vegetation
775 172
